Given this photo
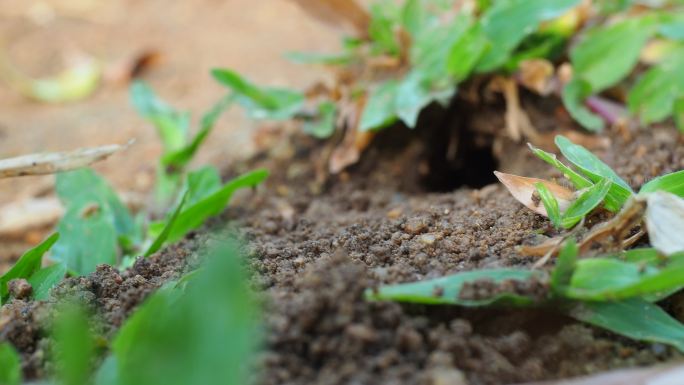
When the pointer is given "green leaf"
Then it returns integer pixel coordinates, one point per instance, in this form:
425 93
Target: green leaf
574 94
654 95
261 103
10 365
413 95
591 166
381 30
180 158
672 26
679 114
550 204
202 183
380 110
172 126
207 333
194 215
447 290
634 318
607 54
27 264
672 183
507 22
561 276
74 346
431 50
164 235
599 278
414 17
586 203
577 180
467 51
323 125
318 58
43 280
86 240
82 188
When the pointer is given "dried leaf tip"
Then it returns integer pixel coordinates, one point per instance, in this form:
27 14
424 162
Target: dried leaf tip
523 190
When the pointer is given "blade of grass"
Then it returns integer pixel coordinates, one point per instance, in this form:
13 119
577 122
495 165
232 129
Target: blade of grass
672 183
164 235
596 170
585 204
193 216
447 290
27 265
634 318
577 180
550 204
10 365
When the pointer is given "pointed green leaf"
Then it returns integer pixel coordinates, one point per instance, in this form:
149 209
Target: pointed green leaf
672 183
27 265
577 180
586 203
607 54
261 103
43 280
10 365
180 158
447 290
323 125
168 227
380 110
561 276
194 215
172 126
550 204
591 166
635 318
507 22
574 95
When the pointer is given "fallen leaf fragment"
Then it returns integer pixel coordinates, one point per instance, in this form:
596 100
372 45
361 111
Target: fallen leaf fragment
524 191
665 221
338 12
75 83
53 162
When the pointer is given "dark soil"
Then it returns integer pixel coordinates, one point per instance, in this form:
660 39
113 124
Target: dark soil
317 246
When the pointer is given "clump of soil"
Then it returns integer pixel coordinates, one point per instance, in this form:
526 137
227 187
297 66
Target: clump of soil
316 246
111 295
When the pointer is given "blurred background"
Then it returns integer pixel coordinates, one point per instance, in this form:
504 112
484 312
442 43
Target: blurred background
170 44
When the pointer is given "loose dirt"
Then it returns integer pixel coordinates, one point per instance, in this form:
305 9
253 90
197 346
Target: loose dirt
315 247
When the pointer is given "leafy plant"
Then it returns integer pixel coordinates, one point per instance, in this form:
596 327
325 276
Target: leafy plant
173 129
417 52
615 292
596 182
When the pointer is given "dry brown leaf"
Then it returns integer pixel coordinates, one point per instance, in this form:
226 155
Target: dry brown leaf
656 375
53 162
338 12
537 75
349 151
524 191
122 72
